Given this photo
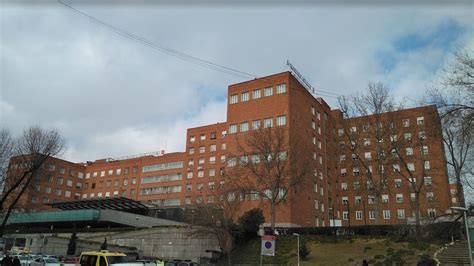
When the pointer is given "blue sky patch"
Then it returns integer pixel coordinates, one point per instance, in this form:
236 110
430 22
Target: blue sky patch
444 35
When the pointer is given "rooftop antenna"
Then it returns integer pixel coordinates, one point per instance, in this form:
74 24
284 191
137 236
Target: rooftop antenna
300 77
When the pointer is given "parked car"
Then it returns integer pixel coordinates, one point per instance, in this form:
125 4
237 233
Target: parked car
25 260
45 262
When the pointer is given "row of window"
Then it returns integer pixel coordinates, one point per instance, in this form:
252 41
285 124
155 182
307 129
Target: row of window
256 158
200 173
429 196
257 94
160 190
397 183
386 214
212 148
256 124
107 194
395 168
108 183
67 194
365 128
60 181
203 136
368 155
162 166
110 172
161 178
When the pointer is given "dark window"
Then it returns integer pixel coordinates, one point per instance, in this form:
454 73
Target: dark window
213 135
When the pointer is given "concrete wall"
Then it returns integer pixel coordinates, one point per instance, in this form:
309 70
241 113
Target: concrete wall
184 243
57 244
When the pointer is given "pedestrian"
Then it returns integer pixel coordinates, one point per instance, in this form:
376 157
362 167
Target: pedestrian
16 261
365 263
7 261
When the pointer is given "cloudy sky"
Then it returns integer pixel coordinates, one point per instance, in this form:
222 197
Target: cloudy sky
111 96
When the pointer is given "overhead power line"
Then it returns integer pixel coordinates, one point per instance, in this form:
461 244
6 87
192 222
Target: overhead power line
162 48
176 53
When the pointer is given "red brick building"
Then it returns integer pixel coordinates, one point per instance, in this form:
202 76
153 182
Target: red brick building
188 178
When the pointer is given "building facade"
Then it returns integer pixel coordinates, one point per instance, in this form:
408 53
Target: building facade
192 177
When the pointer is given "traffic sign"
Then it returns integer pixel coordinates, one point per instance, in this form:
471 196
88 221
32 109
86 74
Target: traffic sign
268 245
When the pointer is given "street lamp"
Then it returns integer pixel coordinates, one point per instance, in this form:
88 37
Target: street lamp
464 211
298 246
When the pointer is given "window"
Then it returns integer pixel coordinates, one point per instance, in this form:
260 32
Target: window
345 200
318 115
316 204
125 181
409 151
191 151
411 167
398 183
340 132
223 146
313 125
384 198
371 199
422 135
355 171
358 200
386 214
426 165
344 186
281 88
110 172
268 91
428 181
345 215
429 196
201 161
313 110
202 149
420 120
57 192
244 96
343 171
222 158
192 139
356 185
396 167
213 148
200 173
257 94
212 172
67 194
399 198
232 162
412 197
202 137
368 155
393 138
60 180
255 124
370 185
233 128
268 122
342 158
432 213
366 142
372 215
365 128
406 122
234 99
244 127
401 214
189 175
407 136
319 130
358 215
281 120
223 134
102 173
212 159
424 150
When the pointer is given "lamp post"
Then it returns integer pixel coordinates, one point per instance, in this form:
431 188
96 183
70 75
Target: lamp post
298 246
464 212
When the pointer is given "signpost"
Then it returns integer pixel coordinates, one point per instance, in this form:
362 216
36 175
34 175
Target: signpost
268 246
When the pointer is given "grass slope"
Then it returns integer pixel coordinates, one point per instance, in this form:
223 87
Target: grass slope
347 251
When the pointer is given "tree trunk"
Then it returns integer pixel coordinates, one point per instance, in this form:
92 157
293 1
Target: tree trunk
417 215
272 213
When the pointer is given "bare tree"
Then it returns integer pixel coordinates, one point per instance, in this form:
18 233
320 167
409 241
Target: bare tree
371 106
410 158
217 216
455 102
27 156
269 163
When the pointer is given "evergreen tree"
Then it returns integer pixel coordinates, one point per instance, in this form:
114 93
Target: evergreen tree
71 247
304 251
104 245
